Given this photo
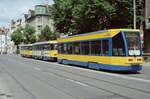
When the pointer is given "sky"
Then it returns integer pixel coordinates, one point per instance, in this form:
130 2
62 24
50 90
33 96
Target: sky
15 9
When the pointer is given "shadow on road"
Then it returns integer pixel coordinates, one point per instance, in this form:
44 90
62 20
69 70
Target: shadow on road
108 71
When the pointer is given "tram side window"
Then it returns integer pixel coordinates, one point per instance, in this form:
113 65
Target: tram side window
38 47
41 47
52 46
105 47
26 47
22 48
59 48
63 49
118 48
85 48
96 47
69 48
55 46
77 48
33 48
46 47
30 48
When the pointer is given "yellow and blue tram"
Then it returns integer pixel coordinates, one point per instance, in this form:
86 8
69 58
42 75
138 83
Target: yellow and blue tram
45 50
26 50
114 49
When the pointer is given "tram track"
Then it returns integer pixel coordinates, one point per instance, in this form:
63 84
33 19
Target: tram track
117 84
98 80
56 71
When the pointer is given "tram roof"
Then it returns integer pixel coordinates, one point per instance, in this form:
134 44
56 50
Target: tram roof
45 42
100 31
26 45
39 43
94 35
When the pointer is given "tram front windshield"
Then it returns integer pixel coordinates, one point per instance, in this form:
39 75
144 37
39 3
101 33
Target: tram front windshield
133 43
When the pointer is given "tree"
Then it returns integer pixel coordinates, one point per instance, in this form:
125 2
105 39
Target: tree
47 34
29 34
17 37
81 16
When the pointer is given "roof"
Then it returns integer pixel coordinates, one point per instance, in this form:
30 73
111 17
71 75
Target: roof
26 45
101 31
5 30
45 42
39 43
94 35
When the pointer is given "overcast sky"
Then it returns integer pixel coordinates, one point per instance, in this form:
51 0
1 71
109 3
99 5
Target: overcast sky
15 9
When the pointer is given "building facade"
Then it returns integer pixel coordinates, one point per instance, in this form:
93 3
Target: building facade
147 27
4 40
147 12
39 18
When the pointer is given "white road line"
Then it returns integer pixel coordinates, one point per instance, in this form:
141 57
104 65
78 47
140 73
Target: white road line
77 82
115 75
109 74
80 83
121 76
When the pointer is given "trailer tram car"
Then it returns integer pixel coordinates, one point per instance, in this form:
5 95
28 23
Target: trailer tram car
114 49
26 50
45 50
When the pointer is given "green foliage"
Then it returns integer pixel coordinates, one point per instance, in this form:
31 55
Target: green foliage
29 34
80 16
17 36
47 34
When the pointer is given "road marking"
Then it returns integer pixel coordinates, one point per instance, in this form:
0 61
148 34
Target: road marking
37 68
77 82
122 76
109 74
80 83
115 75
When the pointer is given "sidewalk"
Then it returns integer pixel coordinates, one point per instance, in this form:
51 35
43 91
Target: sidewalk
146 64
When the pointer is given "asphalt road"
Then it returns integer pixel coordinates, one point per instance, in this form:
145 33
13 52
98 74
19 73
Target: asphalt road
23 78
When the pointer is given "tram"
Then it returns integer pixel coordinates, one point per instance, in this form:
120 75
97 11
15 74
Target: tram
45 50
26 50
113 49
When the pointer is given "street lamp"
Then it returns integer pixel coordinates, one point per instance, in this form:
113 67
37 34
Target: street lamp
134 7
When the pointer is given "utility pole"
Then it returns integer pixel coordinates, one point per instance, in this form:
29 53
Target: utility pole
134 7
1 41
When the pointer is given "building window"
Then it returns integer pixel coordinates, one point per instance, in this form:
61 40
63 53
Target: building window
148 20
39 20
39 27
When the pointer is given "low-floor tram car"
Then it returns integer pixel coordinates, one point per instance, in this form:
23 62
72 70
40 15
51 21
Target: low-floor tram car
114 49
45 50
26 50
